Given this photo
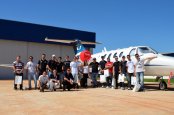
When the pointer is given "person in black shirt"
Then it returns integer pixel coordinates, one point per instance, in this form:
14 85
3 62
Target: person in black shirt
59 65
123 68
116 70
52 64
94 65
60 70
102 65
68 80
66 63
42 63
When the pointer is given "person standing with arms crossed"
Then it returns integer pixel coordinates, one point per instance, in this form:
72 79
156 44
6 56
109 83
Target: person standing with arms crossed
116 70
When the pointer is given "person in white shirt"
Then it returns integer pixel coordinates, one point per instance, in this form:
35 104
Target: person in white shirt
130 70
85 74
43 81
139 69
74 65
31 68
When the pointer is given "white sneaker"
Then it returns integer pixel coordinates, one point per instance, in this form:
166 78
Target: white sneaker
107 87
102 86
113 88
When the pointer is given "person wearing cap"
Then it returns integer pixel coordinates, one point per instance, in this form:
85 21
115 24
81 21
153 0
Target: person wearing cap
52 64
123 71
116 70
94 65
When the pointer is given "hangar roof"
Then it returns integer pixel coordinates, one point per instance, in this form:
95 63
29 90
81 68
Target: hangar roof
22 31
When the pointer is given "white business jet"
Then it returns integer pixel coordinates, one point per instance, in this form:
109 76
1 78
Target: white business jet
162 65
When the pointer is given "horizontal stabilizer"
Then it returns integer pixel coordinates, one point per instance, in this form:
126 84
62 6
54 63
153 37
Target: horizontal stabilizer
168 54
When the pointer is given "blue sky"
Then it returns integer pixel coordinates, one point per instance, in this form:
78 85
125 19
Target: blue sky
117 23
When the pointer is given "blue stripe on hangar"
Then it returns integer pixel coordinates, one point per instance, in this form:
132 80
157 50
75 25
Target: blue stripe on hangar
22 31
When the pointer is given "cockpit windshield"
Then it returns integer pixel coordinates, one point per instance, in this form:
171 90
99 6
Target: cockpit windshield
145 50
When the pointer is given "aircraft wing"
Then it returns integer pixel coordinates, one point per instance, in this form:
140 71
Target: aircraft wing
6 65
90 43
61 41
71 41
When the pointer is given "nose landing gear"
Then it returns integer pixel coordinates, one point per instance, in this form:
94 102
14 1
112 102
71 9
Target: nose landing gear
162 83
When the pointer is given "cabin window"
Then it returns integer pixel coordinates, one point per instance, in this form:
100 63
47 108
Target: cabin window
104 56
115 55
121 54
144 50
109 55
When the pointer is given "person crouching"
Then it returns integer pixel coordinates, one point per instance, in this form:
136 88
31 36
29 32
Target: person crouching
68 80
43 81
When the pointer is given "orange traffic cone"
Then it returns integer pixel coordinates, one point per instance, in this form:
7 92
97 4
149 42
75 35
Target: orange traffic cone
171 74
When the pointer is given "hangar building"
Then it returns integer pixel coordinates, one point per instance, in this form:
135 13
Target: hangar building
25 39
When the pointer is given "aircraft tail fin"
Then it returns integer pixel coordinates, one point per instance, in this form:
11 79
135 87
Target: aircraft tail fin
78 47
104 49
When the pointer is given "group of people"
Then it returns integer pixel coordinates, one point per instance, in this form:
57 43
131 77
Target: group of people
55 73
51 73
124 68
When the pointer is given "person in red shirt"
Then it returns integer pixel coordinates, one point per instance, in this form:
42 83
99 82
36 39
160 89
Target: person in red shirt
109 66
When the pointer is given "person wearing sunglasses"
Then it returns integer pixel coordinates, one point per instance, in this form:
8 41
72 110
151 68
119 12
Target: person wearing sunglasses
31 69
68 80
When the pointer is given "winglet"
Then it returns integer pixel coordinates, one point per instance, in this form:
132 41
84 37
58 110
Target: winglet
104 49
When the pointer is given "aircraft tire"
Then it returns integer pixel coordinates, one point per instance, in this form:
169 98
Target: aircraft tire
162 85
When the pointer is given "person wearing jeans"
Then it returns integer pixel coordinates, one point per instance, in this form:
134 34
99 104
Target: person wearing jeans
140 79
94 65
31 72
109 66
94 78
139 69
74 65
